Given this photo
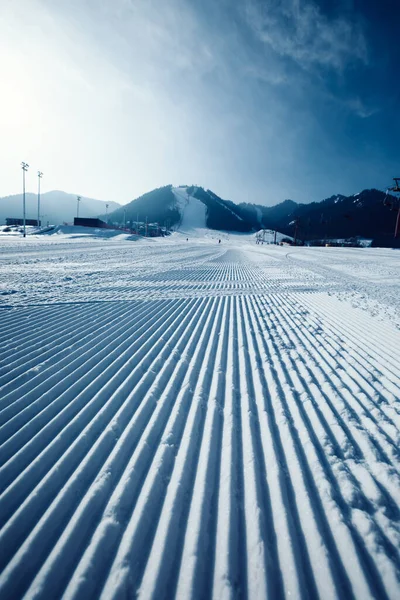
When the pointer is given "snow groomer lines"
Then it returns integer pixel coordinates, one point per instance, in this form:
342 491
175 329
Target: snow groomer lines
220 427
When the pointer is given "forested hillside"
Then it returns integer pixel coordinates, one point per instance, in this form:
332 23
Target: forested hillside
370 214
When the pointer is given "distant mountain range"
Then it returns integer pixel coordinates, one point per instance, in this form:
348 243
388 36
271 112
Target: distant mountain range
363 214
55 207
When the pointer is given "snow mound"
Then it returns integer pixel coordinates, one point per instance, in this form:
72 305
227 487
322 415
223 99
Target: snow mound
79 231
267 236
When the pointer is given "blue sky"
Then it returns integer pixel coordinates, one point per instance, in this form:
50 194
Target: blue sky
258 100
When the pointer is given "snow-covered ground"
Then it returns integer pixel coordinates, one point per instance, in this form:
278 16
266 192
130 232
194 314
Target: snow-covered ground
198 420
269 236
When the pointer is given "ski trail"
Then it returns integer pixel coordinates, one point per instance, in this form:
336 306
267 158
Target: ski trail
205 421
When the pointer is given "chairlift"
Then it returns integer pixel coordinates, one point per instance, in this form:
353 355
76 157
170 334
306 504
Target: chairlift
387 202
394 203
396 187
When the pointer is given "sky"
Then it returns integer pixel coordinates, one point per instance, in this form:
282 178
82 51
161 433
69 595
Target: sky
257 100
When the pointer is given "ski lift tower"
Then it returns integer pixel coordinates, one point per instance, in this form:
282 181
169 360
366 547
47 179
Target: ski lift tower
396 190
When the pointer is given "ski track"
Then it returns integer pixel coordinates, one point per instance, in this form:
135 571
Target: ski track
193 421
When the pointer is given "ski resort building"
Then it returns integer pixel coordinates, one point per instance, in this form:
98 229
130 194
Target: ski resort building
13 221
87 222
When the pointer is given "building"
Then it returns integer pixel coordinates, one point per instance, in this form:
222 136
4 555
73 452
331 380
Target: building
12 221
87 222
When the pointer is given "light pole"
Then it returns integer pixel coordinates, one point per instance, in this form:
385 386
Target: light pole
78 199
106 213
124 218
25 167
40 175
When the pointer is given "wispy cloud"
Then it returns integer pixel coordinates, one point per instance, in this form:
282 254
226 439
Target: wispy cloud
298 30
359 107
147 39
153 91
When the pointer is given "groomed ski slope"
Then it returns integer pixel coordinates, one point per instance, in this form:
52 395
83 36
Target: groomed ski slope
198 420
193 213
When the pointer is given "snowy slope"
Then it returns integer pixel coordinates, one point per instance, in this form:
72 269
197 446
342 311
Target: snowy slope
193 212
198 421
77 231
199 210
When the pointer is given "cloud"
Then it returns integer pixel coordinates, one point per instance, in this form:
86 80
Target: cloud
357 106
298 30
148 40
155 91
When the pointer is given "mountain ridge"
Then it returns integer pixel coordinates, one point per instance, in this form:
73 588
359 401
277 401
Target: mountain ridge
360 215
338 216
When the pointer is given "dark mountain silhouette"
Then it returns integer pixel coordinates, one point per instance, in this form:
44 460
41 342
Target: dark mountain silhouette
223 215
159 206
361 215
266 216
162 206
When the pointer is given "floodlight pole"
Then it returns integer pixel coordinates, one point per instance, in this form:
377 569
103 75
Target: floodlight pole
40 175
25 167
78 199
106 212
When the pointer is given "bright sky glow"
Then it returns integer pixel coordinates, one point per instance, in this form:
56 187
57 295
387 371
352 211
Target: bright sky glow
257 100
